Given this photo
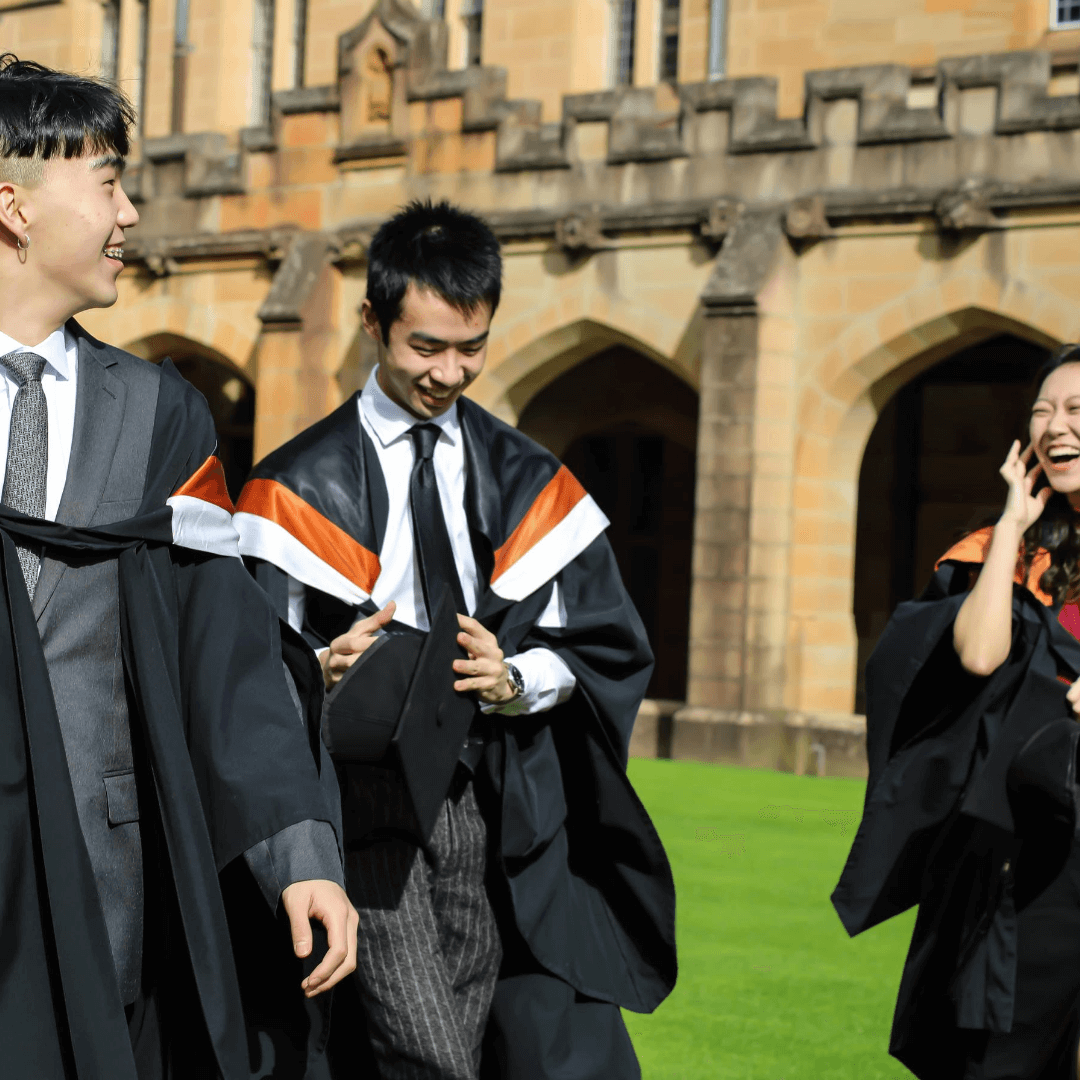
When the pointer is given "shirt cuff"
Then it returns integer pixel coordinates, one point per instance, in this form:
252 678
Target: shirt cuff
306 851
548 682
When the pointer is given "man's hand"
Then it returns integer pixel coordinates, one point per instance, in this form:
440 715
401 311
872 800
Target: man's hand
489 678
327 902
1074 699
344 651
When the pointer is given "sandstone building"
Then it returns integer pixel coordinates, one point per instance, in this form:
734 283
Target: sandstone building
777 275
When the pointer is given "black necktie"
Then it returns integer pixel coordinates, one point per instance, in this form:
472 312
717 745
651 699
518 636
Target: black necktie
434 555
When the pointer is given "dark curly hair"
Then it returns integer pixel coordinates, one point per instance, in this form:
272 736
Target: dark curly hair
1058 528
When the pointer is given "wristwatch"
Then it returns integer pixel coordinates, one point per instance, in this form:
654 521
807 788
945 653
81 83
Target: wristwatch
516 681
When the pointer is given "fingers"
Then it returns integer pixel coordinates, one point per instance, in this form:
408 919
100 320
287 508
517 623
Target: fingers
364 628
296 902
328 903
478 641
346 649
485 674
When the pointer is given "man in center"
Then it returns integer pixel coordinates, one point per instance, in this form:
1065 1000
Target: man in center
543 897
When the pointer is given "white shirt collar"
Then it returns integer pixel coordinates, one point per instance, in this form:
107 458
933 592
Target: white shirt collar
390 421
54 349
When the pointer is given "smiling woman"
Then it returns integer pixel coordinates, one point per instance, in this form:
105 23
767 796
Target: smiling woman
972 751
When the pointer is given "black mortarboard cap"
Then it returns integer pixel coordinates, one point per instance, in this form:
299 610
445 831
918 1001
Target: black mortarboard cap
397 707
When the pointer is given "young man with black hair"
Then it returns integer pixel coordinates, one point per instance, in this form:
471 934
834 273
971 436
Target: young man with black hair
148 733
544 896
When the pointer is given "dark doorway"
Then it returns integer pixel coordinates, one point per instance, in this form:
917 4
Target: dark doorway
228 393
627 429
930 474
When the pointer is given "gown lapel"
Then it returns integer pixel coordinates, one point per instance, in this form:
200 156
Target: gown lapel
99 416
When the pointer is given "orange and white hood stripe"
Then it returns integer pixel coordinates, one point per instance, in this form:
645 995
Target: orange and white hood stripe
276 525
202 512
974 548
561 523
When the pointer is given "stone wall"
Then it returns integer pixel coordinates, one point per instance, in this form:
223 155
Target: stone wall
794 271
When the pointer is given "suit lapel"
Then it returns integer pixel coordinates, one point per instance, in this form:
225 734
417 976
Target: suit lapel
99 416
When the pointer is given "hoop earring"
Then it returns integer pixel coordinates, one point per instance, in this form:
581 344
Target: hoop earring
21 246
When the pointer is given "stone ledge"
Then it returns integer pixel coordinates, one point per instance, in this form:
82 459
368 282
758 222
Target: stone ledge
307 99
822 744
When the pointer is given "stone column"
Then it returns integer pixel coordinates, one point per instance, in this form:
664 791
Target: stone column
718 609
729 361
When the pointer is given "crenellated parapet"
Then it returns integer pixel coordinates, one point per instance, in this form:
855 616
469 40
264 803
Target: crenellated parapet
394 59
963 143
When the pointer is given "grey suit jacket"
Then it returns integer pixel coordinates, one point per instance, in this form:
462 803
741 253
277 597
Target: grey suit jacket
77 610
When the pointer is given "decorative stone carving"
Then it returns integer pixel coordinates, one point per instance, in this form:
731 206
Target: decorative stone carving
719 219
966 209
805 219
580 232
378 85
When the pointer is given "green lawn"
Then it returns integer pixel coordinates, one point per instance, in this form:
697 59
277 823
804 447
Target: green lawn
770 985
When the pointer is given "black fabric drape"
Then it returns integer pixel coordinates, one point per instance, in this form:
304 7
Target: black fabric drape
591 886
940 829
215 730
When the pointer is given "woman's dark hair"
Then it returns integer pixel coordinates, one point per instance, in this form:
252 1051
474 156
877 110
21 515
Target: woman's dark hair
1058 528
46 114
439 247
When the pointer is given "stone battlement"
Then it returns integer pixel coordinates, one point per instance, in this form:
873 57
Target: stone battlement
394 90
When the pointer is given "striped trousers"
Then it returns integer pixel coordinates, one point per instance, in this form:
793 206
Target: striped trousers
428 949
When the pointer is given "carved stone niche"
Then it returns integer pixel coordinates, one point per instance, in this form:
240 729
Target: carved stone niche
373 104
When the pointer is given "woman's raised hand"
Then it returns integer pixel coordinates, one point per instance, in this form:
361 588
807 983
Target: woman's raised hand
1023 508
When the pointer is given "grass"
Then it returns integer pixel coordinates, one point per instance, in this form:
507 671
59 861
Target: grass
770 985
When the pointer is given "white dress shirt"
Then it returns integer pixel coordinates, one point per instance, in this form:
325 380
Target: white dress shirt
61 354
548 681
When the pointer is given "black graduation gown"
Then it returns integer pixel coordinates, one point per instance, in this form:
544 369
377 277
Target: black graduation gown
940 828
589 888
230 766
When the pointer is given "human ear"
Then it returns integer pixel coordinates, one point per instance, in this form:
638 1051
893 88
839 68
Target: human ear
370 321
12 219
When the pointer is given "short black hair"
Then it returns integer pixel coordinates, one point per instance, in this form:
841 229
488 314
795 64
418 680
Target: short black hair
46 114
439 247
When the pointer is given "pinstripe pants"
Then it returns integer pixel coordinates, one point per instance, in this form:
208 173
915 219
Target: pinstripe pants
429 951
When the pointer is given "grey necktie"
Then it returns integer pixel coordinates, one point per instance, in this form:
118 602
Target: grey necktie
28 450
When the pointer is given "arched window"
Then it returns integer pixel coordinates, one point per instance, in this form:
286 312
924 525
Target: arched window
180 55
623 18
142 63
472 14
110 40
299 43
717 39
1065 13
669 40
262 62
